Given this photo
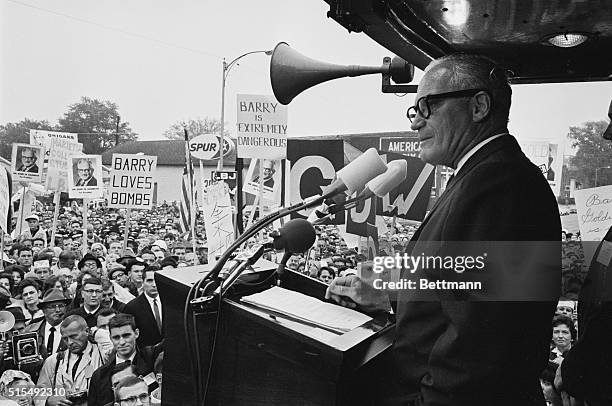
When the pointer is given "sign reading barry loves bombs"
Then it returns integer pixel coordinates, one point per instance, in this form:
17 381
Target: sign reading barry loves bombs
262 127
132 182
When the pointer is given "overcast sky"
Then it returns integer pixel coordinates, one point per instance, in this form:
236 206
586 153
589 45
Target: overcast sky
161 62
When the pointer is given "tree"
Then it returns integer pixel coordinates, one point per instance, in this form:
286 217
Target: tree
19 132
194 128
594 153
96 123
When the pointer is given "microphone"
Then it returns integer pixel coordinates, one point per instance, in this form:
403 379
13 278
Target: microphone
354 176
296 236
382 184
379 186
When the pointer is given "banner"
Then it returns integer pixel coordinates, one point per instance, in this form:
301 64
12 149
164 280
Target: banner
132 181
409 145
26 202
549 158
410 199
271 179
5 199
26 163
262 127
85 177
594 207
313 166
60 152
218 219
43 138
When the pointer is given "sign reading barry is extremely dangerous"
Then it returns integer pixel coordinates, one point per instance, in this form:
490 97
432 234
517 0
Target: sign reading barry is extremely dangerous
132 182
262 127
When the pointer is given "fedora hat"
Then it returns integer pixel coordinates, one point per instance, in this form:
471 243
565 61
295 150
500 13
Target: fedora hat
53 295
89 257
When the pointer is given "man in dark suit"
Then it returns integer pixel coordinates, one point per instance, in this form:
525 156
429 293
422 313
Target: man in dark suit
92 296
473 347
147 310
28 161
85 171
123 334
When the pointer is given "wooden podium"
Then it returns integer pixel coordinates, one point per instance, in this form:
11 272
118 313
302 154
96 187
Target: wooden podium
265 360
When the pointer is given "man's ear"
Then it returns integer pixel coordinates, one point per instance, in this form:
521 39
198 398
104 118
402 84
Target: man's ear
137 332
482 104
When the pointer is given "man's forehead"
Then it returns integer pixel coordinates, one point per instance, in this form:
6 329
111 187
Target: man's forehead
435 80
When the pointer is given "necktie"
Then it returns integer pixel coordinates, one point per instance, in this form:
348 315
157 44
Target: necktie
76 365
50 340
157 315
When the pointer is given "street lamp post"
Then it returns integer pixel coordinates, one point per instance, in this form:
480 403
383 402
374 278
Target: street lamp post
226 68
597 170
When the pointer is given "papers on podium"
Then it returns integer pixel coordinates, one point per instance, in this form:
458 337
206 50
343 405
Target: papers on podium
306 309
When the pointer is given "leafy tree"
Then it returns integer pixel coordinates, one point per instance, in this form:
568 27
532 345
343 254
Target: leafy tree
194 128
19 132
593 152
96 123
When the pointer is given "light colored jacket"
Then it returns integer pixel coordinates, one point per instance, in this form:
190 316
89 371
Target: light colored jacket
95 355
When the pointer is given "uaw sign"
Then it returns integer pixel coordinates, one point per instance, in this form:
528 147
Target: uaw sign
262 127
206 146
132 181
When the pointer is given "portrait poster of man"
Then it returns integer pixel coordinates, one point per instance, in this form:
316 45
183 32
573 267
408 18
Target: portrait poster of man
85 178
271 179
26 163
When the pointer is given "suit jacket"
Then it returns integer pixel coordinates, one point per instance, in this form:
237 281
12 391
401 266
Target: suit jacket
100 391
39 328
452 347
31 169
145 321
90 182
118 306
91 319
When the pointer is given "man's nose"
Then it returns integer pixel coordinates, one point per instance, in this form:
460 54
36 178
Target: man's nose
417 122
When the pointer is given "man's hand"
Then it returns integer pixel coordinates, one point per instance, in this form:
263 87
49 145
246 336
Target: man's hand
350 291
58 401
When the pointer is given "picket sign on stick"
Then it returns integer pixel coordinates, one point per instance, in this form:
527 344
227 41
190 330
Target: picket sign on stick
2 250
56 202
21 208
84 244
126 230
252 214
261 185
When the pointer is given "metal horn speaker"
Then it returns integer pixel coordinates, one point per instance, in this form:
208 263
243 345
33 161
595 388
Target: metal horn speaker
291 72
7 321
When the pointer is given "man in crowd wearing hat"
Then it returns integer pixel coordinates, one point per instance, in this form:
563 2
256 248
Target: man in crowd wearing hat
28 161
42 269
92 295
72 370
34 229
90 263
53 305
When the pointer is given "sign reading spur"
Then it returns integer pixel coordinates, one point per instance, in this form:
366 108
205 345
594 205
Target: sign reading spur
206 146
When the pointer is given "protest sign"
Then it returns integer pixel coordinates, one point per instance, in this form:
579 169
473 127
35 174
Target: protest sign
271 182
218 219
60 152
594 207
5 199
85 177
132 182
43 138
262 127
26 163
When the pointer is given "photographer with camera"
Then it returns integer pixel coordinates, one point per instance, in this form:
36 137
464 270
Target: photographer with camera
65 376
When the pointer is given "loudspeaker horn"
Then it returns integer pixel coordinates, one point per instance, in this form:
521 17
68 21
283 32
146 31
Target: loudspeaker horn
291 72
7 321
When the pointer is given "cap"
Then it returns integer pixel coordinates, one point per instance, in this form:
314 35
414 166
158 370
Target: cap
32 217
43 263
161 244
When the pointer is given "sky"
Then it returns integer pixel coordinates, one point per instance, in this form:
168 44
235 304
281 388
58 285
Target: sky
161 62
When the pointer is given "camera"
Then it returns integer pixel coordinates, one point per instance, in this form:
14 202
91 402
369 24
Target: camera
25 348
77 397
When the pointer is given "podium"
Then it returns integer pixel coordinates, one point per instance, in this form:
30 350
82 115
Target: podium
266 360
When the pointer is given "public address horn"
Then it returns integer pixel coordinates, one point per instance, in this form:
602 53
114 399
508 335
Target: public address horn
291 73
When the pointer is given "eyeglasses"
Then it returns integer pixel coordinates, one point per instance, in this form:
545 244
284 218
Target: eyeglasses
56 306
143 397
92 291
423 108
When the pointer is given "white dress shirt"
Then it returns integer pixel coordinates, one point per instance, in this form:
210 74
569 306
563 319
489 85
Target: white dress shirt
57 337
159 305
472 151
